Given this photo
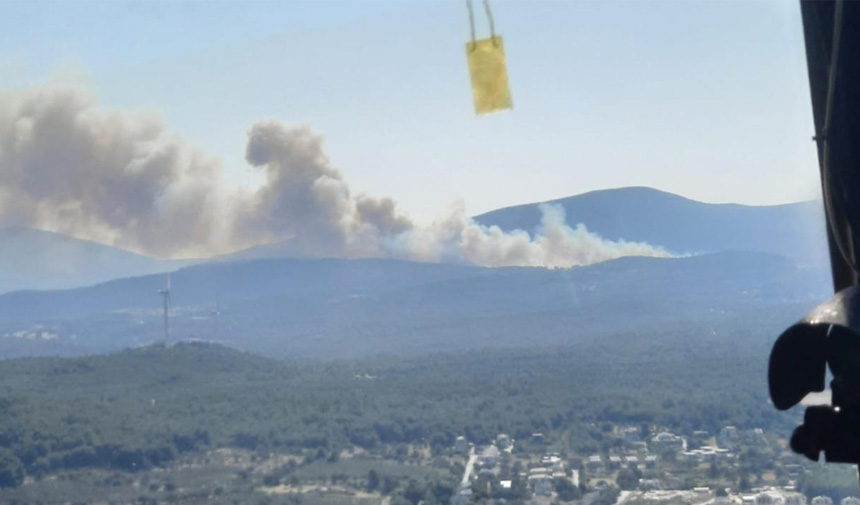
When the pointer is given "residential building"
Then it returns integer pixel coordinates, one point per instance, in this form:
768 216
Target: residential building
667 442
539 471
594 464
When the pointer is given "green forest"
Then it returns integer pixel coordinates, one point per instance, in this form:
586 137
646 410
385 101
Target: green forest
143 408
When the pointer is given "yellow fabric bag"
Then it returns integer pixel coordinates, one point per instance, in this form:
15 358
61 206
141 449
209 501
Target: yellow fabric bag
489 75
487 69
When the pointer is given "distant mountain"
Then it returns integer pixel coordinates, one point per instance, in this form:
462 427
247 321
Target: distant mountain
682 225
346 308
641 214
37 259
285 249
326 308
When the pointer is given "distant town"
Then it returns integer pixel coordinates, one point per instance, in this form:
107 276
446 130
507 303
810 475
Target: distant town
642 467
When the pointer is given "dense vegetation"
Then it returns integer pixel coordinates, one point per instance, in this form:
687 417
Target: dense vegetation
144 407
835 481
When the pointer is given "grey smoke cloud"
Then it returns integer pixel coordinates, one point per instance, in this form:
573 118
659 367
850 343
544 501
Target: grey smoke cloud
119 178
66 165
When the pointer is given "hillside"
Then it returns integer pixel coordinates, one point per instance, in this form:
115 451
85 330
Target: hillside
37 259
346 308
682 225
145 407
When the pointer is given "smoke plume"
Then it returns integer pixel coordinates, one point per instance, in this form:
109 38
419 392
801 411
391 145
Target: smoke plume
119 178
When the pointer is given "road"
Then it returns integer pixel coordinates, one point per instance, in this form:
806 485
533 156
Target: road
469 466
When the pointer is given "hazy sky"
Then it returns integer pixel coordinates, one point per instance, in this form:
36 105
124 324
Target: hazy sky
705 99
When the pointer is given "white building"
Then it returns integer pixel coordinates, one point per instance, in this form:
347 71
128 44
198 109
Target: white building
822 500
665 441
722 454
550 459
693 456
850 500
594 463
539 471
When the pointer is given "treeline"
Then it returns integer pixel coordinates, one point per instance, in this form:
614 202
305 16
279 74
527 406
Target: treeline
142 408
834 481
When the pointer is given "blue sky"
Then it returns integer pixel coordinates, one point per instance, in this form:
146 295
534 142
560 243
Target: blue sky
706 99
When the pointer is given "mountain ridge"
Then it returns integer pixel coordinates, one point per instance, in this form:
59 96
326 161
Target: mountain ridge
38 259
680 224
335 308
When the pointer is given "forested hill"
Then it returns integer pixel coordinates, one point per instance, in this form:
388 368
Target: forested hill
144 407
350 308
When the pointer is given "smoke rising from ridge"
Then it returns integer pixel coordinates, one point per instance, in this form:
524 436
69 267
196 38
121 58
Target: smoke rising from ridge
119 178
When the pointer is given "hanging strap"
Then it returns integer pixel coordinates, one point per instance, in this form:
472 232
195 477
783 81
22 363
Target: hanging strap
472 21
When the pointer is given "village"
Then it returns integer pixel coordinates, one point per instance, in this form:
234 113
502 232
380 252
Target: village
732 467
